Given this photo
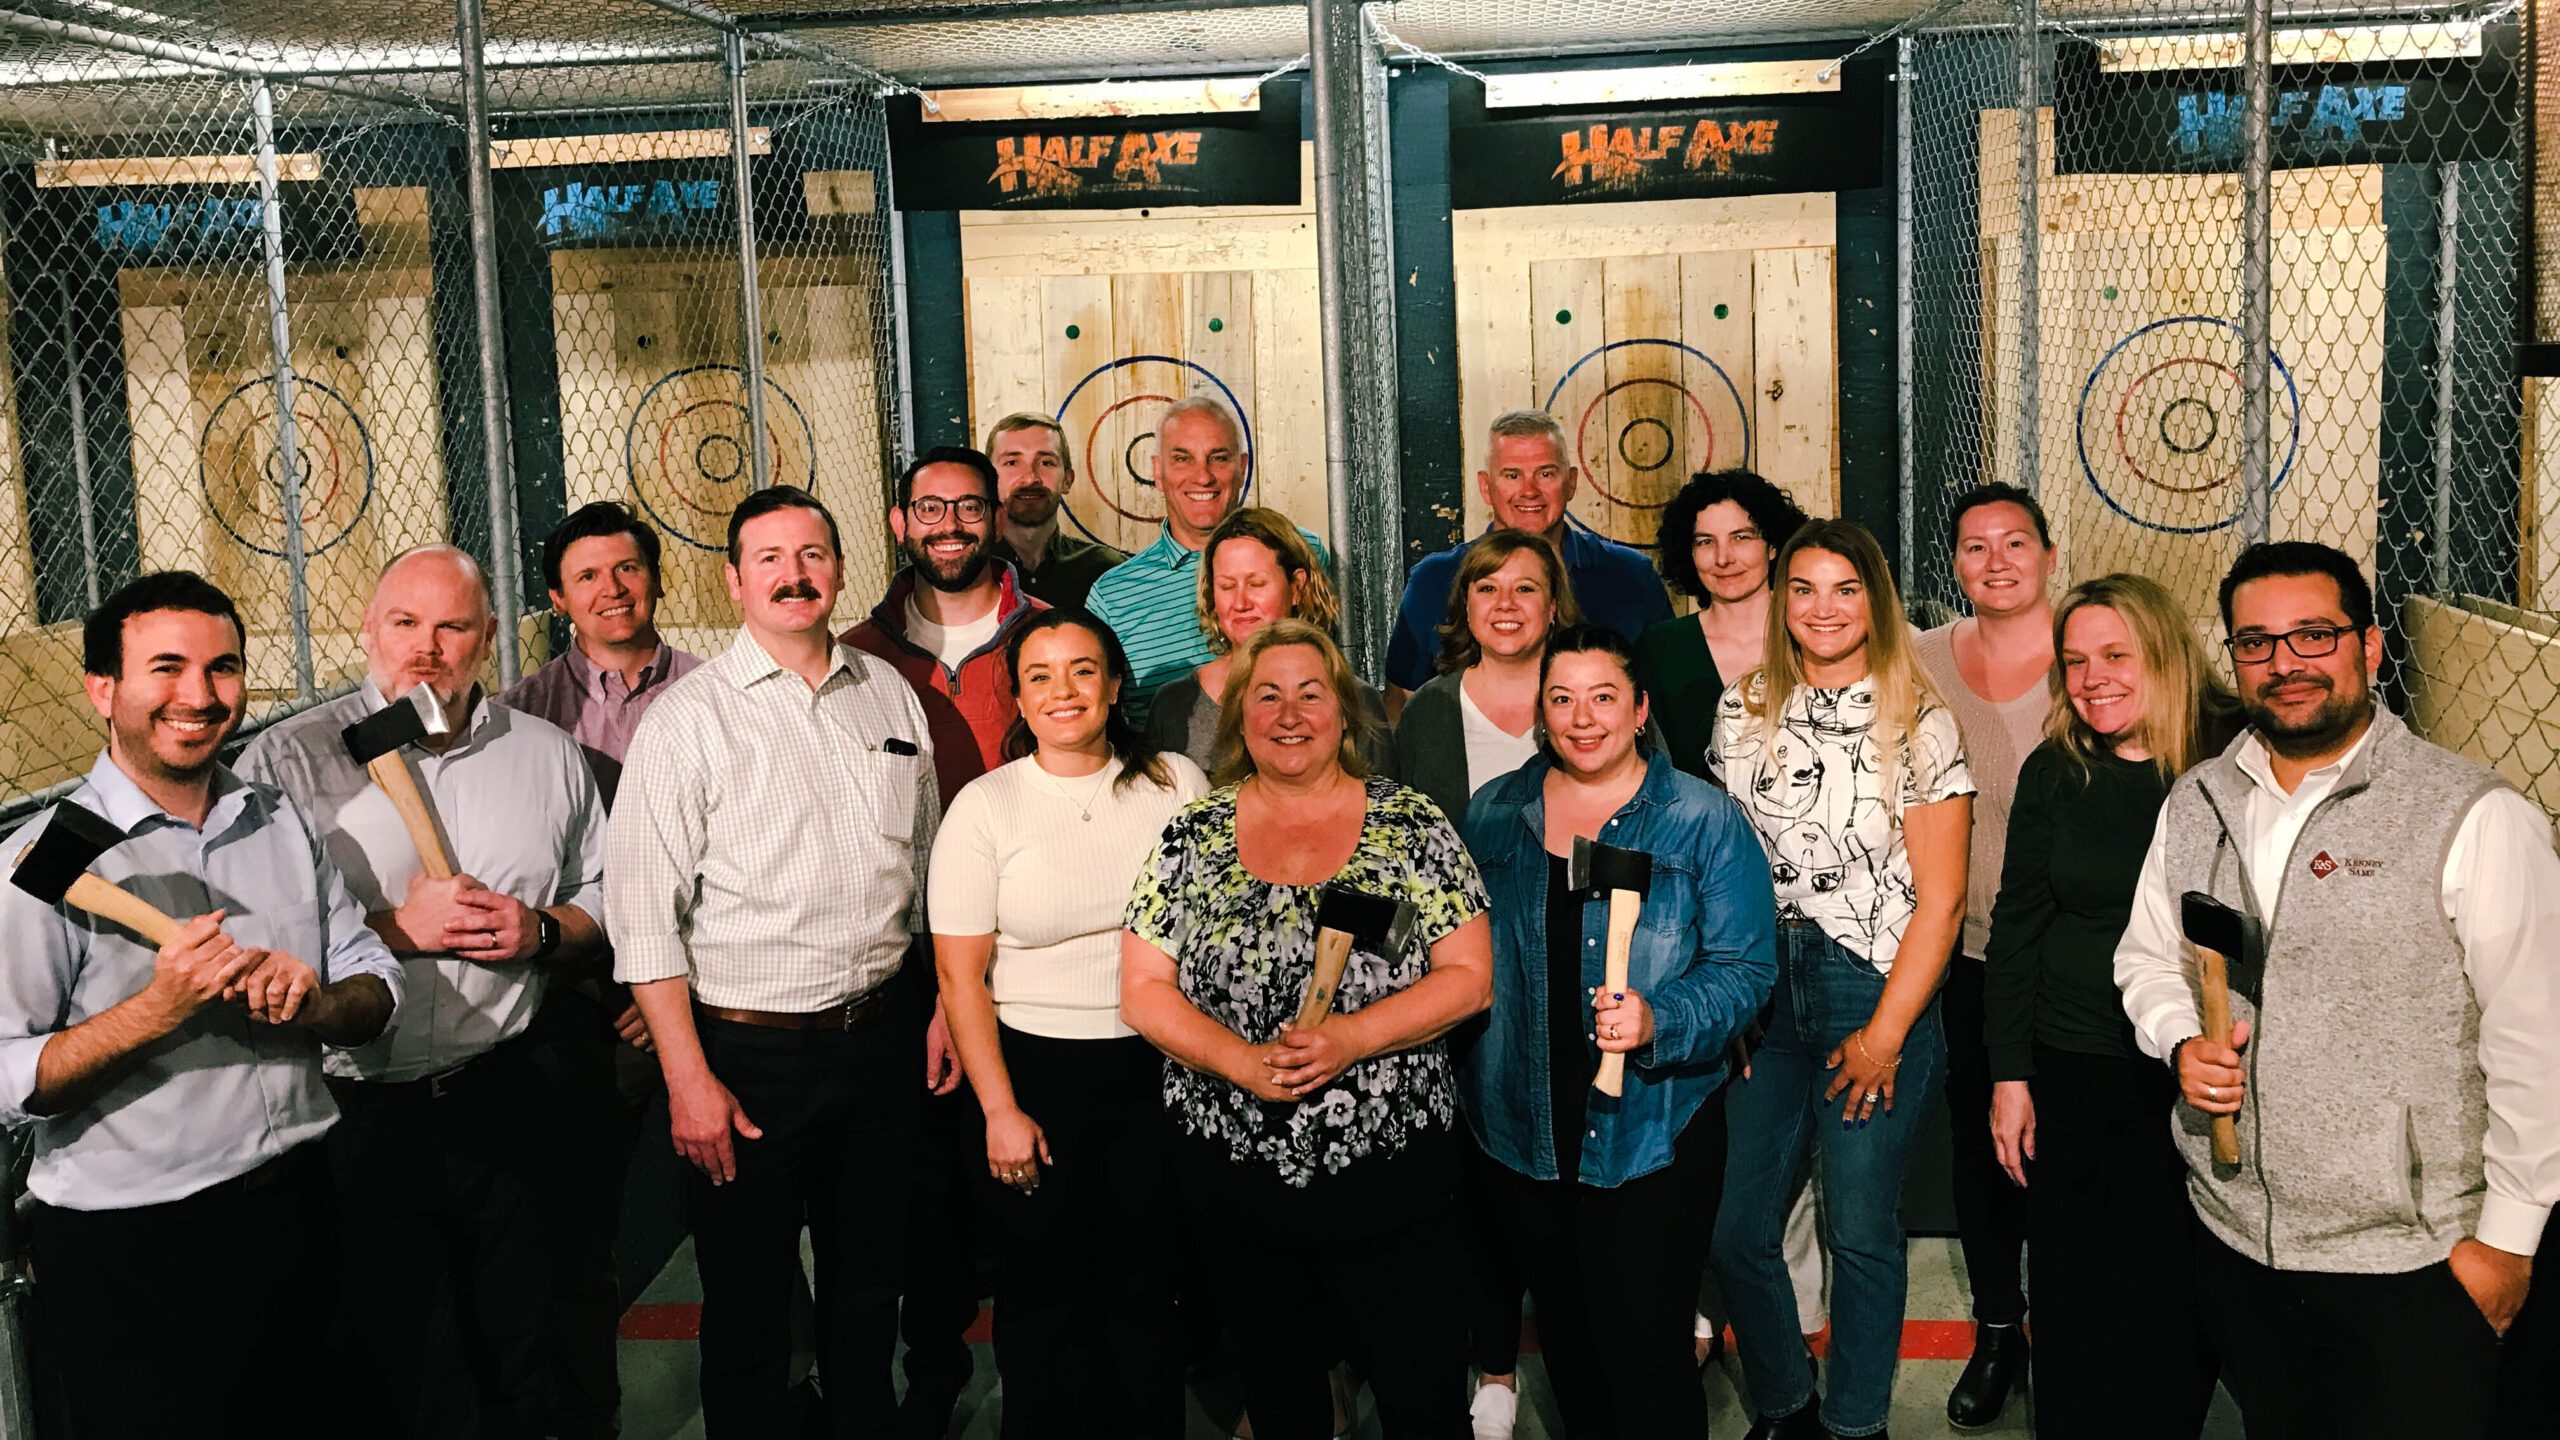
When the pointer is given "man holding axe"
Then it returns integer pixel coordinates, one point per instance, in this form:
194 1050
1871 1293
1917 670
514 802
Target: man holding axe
449 1140
2367 1036
170 1070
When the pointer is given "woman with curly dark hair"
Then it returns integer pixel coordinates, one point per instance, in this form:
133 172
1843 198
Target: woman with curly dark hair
1714 546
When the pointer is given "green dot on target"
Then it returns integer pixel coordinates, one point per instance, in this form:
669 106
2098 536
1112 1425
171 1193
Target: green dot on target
1564 317
1216 324
2109 292
1074 330
1722 311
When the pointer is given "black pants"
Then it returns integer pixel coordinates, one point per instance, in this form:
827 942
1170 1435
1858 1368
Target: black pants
1991 1216
2109 1231
173 1320
1495 1280
446 1214
575 1048
838 1113
2529 1375
943 1236
2344 1357
1084 1302
1614 1274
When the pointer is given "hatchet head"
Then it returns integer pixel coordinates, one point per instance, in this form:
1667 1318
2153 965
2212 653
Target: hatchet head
1597 868
1374 922
73 838
414 716
2211 925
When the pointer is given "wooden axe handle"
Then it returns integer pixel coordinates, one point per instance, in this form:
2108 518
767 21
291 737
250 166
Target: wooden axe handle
2213 987
1625 906
391 773
113 902
1333 952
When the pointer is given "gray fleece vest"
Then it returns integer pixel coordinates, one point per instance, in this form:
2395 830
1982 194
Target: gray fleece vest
2360 1142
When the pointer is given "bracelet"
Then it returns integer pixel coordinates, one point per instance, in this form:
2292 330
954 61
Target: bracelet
1858 1037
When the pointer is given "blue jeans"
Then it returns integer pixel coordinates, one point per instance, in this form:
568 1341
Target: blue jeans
1823 993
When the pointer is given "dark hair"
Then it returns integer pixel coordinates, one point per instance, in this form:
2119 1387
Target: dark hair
1137 755
1588 639
102 635
778 497
1459 649
1774 513
596 521
976 461
2302 557
1997 493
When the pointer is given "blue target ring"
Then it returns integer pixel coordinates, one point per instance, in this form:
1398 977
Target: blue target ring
1731 390
312 432
2089 470
655 442
1244 486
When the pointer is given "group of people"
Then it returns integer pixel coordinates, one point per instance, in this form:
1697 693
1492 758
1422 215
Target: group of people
998 924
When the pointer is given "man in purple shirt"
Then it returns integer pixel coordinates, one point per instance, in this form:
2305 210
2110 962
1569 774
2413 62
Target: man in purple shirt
602 569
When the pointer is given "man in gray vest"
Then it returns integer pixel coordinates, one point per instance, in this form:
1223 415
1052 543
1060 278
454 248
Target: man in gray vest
2394 1073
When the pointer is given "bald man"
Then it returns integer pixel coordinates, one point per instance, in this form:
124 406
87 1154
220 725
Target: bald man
445 1190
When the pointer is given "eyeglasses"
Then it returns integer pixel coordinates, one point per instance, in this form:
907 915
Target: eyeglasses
2309 642
929 509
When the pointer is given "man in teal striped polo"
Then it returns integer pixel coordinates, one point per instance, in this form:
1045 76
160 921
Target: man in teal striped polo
1151 600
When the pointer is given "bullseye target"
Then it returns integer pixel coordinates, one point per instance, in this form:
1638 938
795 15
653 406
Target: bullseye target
1109 421
242 466
1643 415
2158 425
686 450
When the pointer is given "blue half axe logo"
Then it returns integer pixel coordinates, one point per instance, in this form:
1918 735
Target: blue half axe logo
143 225
2326 117
579 211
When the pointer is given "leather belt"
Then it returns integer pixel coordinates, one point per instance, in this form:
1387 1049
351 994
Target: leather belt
848 1014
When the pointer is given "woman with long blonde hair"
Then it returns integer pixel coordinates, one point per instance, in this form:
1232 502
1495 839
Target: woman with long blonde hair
2078 1115
1853 777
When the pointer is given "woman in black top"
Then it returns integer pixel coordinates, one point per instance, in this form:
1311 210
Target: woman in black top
2079 1116
1717 538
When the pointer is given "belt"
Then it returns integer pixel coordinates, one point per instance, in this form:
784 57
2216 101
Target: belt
847 1014
460 1080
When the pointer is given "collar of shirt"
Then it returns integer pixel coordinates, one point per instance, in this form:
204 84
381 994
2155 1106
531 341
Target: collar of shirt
601 683
477 703
2258 763
1167 552
123 805
747 664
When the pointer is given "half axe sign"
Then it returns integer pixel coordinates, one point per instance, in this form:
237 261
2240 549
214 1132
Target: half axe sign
1628 877
374 743
54 868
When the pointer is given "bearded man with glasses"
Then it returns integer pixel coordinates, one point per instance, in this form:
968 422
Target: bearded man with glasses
2394 1068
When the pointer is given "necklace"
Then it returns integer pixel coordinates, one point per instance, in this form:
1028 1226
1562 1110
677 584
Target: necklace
1084 807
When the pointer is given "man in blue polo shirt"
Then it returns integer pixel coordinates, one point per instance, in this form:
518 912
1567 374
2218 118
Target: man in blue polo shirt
1526 483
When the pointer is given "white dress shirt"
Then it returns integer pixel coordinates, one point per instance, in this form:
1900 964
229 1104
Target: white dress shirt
2501 890
770 840
522 814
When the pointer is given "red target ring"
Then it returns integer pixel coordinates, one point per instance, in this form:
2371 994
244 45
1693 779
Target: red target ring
1582 439
1109 492
2124 409
666 434
240 483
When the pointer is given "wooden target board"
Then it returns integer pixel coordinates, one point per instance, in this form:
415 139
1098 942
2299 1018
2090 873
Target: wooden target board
1667 337
2138 401
1102 318
208 465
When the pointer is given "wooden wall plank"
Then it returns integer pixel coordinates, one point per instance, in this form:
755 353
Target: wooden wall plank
1568 319
1497 372
17 552
1644 227
160 408
1636 445
1080 304
1796 407
1284 241
1716 317
1288 418
1007 371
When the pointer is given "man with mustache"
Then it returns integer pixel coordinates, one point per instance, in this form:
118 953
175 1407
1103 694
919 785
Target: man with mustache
174 1098
1033 475
601 567
450 1137
768 855
944 626
2395 1076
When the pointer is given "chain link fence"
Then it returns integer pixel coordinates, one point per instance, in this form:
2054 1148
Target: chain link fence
245 335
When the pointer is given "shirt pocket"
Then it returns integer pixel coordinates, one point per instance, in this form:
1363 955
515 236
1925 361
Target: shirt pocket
887 785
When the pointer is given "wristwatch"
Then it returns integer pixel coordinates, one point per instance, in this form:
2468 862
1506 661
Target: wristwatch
549 930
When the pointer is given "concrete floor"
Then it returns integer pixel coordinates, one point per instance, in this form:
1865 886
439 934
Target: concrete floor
659 1397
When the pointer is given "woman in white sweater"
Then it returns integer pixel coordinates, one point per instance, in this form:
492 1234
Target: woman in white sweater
1031 873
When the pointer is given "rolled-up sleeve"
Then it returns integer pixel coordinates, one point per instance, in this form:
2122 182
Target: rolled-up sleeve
653 853
2150 964
352 946
35 993
1735 964
582 846
2502 892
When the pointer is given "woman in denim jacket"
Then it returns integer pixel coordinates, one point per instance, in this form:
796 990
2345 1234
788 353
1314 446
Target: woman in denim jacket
1577 1166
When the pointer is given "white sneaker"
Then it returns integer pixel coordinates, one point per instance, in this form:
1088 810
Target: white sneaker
1494 1411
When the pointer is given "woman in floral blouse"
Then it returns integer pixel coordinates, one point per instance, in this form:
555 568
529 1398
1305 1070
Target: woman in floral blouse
1326 1156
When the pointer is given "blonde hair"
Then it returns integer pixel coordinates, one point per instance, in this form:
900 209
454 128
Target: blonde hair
2180 690
1230 762
1316 602
1893 662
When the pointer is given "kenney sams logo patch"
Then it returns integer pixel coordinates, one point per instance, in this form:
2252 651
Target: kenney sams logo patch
2324 865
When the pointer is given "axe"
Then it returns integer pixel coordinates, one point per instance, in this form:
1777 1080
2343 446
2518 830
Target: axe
374 743
1346 918
2220 936
1628 877
55 869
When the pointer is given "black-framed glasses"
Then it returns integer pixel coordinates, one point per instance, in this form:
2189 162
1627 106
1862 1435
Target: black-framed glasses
929 509
2310 642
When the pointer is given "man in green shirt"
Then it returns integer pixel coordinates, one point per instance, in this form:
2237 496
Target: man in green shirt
1033 476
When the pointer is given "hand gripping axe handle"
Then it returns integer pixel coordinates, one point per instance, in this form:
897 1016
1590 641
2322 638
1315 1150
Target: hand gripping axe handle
1628 877
2219 935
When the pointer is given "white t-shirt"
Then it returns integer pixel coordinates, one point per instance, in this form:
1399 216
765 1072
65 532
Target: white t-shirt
951 644
1491 750
1018 858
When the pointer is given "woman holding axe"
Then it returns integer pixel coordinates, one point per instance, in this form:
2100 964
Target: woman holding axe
1633 939
1298 945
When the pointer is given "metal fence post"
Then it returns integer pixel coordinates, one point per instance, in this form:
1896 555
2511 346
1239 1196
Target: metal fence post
496 431
75 393
1356 299
1905 398
2030 250
733 49
280 340
2257 268
2448 290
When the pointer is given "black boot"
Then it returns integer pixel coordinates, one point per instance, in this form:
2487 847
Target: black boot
1805 1424
1999 1364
